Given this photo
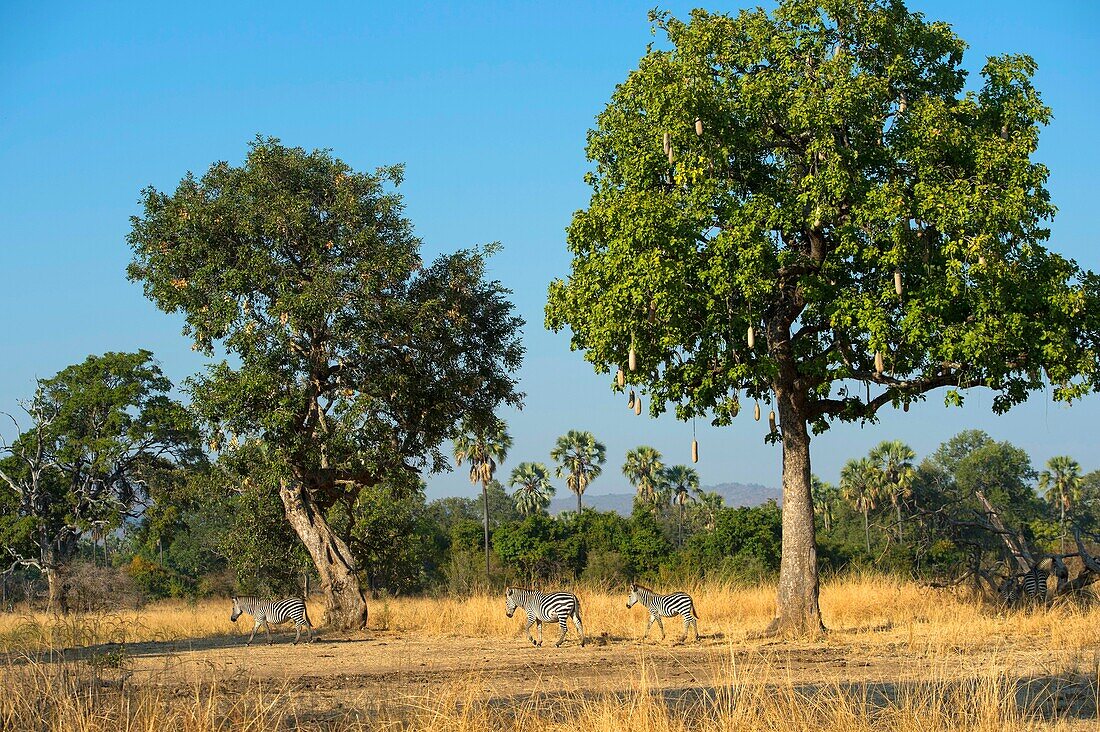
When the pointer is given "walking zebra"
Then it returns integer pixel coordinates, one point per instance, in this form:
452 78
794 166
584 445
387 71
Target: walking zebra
665 606
545 608
266 612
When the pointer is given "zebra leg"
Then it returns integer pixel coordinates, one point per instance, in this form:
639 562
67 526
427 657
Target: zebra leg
252 634
530 622
540 633
267 629
661 625
297 633
580 627
564 630
647 627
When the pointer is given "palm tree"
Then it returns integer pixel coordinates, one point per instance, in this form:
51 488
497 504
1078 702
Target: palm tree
580 458
710 503
482 446
643 468
1061 484
824 495
894 459
681 481
859 484
533 488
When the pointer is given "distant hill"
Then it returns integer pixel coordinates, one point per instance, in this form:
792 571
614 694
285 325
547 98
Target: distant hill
735 494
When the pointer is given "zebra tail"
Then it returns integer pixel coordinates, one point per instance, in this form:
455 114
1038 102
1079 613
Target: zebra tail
305 612
694 611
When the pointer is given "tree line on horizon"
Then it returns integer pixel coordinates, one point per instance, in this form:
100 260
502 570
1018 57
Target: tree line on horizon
176 518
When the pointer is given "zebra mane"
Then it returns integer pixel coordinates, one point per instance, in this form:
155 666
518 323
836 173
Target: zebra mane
643 587
525 589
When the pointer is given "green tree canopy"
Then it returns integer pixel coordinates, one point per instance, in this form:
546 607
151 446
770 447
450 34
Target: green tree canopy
894 460
861 486
102 432
580 458
353 359
681 481
1061 486
482 445
645 471
533 487
808 208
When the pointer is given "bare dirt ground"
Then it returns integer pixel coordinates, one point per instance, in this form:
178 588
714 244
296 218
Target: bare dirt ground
363 673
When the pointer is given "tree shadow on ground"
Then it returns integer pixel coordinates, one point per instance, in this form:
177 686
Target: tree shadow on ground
154 648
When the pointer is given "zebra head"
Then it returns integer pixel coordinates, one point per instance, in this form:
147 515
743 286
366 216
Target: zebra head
510 600
236 609
633 596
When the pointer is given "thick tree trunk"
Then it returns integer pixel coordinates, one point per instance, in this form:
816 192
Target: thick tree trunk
49 558
797 612
345 604
58 599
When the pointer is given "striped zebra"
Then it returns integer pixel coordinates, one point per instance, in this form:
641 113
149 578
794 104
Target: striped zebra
665 606
266 612
545 608
1030 586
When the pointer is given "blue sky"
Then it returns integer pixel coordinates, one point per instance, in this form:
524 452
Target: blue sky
487 105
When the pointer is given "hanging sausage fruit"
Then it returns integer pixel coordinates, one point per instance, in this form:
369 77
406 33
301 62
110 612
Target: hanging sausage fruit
756 412
699 127
771 421
879 366
632 358
751 338
694 451
620 378
630 401
638 406
897 281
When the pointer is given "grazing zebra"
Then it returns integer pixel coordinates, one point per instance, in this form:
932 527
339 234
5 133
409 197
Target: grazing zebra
665 606
545 608
266 612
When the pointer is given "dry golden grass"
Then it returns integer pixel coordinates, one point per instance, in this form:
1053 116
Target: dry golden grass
865 609
163 621
861 609
77 697
863 613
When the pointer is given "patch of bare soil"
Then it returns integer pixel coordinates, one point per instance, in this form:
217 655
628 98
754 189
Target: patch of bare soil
364 673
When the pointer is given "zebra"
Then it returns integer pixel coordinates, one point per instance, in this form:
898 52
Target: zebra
266 612
1030 586
542 607
665 606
